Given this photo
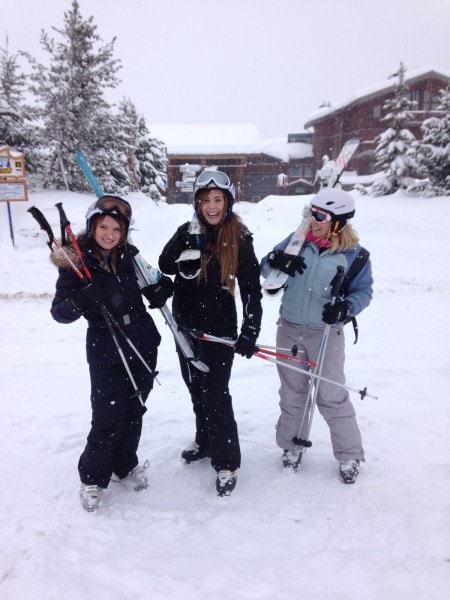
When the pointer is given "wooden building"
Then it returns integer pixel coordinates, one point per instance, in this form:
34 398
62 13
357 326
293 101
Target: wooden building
360 117
257 168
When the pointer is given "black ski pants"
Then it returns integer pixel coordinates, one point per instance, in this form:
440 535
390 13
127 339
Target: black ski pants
216 427
116 424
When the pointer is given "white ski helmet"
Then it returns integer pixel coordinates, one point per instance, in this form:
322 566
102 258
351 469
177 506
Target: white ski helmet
338 203
210 179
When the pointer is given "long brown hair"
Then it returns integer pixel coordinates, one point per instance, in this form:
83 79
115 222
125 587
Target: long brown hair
226 248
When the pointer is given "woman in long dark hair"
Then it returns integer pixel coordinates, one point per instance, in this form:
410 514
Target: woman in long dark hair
208 265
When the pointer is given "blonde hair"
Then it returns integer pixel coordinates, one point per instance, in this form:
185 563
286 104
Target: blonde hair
226 248
345 239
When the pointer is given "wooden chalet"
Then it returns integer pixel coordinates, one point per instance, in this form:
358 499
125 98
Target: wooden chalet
257 168
360 117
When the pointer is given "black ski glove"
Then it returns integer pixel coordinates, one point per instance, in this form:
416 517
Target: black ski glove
89 298
245 345
157 294
287 263
337 312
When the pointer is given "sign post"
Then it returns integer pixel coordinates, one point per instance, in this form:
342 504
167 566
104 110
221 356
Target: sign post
13 184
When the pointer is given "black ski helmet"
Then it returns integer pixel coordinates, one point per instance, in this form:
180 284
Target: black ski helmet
112 205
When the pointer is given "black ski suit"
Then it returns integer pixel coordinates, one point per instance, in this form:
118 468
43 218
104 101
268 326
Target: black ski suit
208 306
117 413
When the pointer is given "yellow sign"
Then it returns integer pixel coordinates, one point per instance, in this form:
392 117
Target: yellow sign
13 185
12 164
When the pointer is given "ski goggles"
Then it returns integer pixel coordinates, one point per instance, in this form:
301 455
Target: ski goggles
114 205
217 178
320 216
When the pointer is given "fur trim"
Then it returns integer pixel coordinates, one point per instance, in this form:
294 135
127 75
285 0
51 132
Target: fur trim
60 257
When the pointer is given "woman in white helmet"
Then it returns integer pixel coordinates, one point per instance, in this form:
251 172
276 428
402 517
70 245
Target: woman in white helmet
204 299
306 309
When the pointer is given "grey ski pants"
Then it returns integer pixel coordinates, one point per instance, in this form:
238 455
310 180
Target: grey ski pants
333 402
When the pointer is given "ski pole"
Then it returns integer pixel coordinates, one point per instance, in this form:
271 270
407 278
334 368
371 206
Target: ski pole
137 393
129 342
313 390
363 393
66 230
206 337
53 243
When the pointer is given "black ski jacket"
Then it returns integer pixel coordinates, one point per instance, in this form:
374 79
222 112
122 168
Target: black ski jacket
207 305
123 300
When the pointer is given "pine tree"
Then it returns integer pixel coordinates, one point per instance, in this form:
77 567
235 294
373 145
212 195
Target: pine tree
144 157
16 129
432 153
152 158
393 145
72 106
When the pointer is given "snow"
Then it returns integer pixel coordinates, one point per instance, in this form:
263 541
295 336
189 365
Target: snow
279 535
209 139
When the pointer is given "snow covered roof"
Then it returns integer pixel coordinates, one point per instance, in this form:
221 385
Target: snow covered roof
374 89
279 148
208 139
225 139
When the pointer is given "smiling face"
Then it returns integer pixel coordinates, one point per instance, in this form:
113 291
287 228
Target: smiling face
320 222
107 232
213 206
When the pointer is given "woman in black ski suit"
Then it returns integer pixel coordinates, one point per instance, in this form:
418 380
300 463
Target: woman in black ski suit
117 410
218 257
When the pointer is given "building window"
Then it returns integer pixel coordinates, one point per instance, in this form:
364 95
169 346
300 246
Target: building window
415 99
377 111
435 101
294 171
300 138
305 171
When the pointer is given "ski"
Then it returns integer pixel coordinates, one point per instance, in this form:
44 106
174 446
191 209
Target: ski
84 166
330 174
276 279
146 275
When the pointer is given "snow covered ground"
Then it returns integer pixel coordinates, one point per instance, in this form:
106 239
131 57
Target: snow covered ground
280 535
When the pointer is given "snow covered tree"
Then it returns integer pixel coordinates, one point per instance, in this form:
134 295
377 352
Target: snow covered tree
72 107
11 92
393 145
145 160
151 155
432 153
16 128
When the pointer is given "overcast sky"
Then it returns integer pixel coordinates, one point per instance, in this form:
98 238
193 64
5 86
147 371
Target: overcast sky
266 62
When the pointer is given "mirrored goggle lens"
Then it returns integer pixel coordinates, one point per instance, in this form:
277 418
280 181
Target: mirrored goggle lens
219 179
115 205
320 216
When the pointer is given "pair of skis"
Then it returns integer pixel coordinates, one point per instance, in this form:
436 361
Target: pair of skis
276 280
147 275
